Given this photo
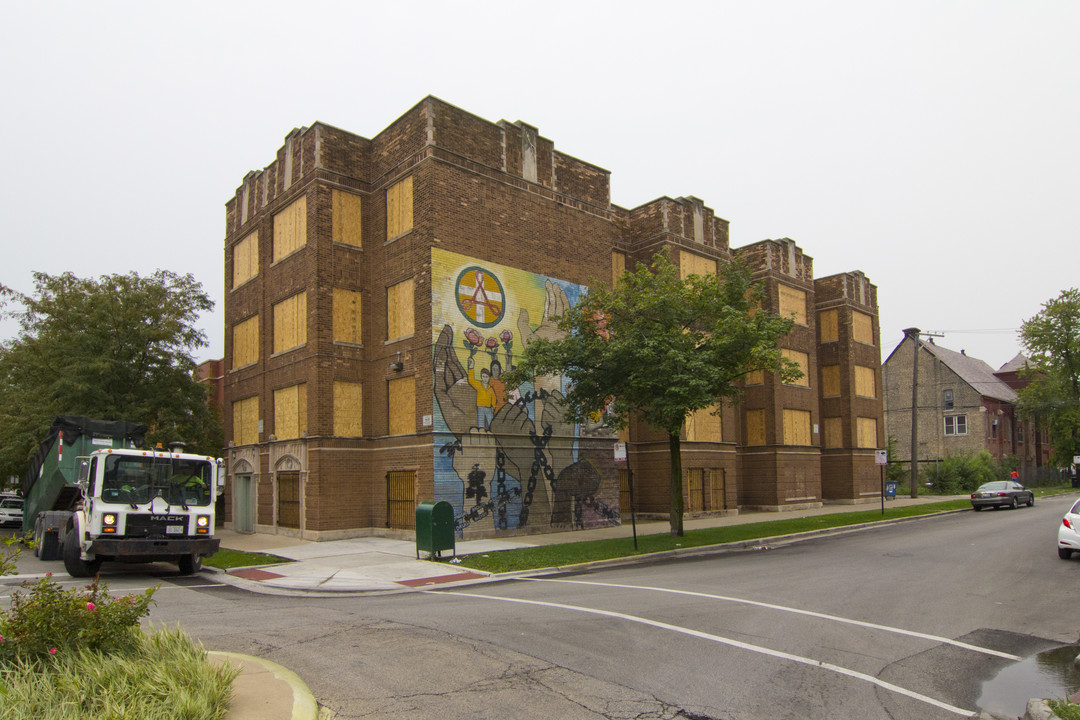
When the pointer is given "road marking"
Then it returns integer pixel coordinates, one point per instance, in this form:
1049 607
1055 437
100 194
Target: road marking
725 641
797 611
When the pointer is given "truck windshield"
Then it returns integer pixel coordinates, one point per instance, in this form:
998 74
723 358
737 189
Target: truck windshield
133 480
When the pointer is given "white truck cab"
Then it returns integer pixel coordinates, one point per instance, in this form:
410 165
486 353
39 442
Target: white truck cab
143 506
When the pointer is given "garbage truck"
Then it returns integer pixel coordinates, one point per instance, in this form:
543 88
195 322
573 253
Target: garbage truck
93 494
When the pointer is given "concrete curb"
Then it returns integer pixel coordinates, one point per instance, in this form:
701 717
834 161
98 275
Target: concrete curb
265 690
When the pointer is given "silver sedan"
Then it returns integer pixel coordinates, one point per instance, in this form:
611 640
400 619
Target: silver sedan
1004 493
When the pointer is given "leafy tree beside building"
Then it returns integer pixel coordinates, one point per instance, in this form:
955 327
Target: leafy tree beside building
118 347
657 348
1052 339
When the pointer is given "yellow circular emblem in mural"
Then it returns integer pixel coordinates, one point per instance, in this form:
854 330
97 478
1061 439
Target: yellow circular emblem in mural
480 296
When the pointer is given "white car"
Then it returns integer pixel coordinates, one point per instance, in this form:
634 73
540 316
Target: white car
1069 532
11 512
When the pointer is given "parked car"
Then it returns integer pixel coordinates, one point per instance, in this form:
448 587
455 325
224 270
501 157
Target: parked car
11 511
1069 532
1000 494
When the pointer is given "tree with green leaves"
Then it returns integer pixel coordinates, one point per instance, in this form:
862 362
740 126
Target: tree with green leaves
118 347
658 348
1052 340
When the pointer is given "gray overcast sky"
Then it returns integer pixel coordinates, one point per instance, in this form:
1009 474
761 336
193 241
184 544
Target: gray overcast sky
934 145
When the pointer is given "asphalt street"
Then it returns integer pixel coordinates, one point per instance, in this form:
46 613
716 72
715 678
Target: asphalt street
901 621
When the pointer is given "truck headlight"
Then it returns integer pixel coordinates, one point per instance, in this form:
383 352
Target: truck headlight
202 524
108 523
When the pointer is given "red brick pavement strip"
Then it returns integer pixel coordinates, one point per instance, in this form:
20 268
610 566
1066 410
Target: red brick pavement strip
255 574
441 579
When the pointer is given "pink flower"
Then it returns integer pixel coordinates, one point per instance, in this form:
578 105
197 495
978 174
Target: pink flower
52 651
91 607
473 337
492 343
506 336
48 574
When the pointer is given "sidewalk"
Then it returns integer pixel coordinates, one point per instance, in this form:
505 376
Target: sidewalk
383 565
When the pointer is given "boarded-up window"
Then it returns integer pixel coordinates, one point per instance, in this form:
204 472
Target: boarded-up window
399 208
290 322
830 381
865 384
803 361
399 310
757 377
245 342
347 308
401 398
829 325
346 218
703 426
796 427
290 228
755 427
245 261
348 409
793 304
692 264
862 327
618 266
246 421
833 436
290 412
867 433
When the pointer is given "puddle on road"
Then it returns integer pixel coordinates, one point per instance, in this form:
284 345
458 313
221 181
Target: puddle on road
1051 674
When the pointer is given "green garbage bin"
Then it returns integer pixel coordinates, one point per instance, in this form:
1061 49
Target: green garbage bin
434 528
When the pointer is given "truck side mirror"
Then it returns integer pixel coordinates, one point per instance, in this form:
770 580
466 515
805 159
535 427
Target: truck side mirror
83 481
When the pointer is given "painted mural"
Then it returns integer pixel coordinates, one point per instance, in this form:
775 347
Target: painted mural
506 458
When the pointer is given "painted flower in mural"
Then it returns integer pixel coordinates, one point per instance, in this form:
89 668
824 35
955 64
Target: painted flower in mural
492 344
472 341
506 336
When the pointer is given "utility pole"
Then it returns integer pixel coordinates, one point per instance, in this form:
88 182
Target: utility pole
913 333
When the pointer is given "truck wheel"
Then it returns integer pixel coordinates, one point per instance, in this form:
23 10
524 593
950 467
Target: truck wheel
190 564
73 563
49 546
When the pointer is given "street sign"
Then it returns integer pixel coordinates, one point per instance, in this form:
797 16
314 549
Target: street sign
881 457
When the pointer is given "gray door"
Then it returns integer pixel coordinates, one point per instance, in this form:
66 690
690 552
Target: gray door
244 494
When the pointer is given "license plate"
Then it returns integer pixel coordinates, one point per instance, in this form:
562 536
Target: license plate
174 529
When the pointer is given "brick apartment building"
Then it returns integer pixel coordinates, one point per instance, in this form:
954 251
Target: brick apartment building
377 288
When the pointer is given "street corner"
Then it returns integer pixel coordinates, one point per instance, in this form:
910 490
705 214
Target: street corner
265 690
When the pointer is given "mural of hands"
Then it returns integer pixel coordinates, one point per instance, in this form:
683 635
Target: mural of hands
556 304
511 427
456 397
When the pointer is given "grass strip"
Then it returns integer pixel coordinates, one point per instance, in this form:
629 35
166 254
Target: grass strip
225 559
545 556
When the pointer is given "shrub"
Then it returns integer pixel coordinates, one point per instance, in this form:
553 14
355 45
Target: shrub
958 474
50 621
165 677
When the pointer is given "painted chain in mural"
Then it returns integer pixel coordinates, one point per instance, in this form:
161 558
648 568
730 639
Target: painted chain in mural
506 457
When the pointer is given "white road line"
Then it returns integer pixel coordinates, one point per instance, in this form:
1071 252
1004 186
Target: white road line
725 641
797 611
